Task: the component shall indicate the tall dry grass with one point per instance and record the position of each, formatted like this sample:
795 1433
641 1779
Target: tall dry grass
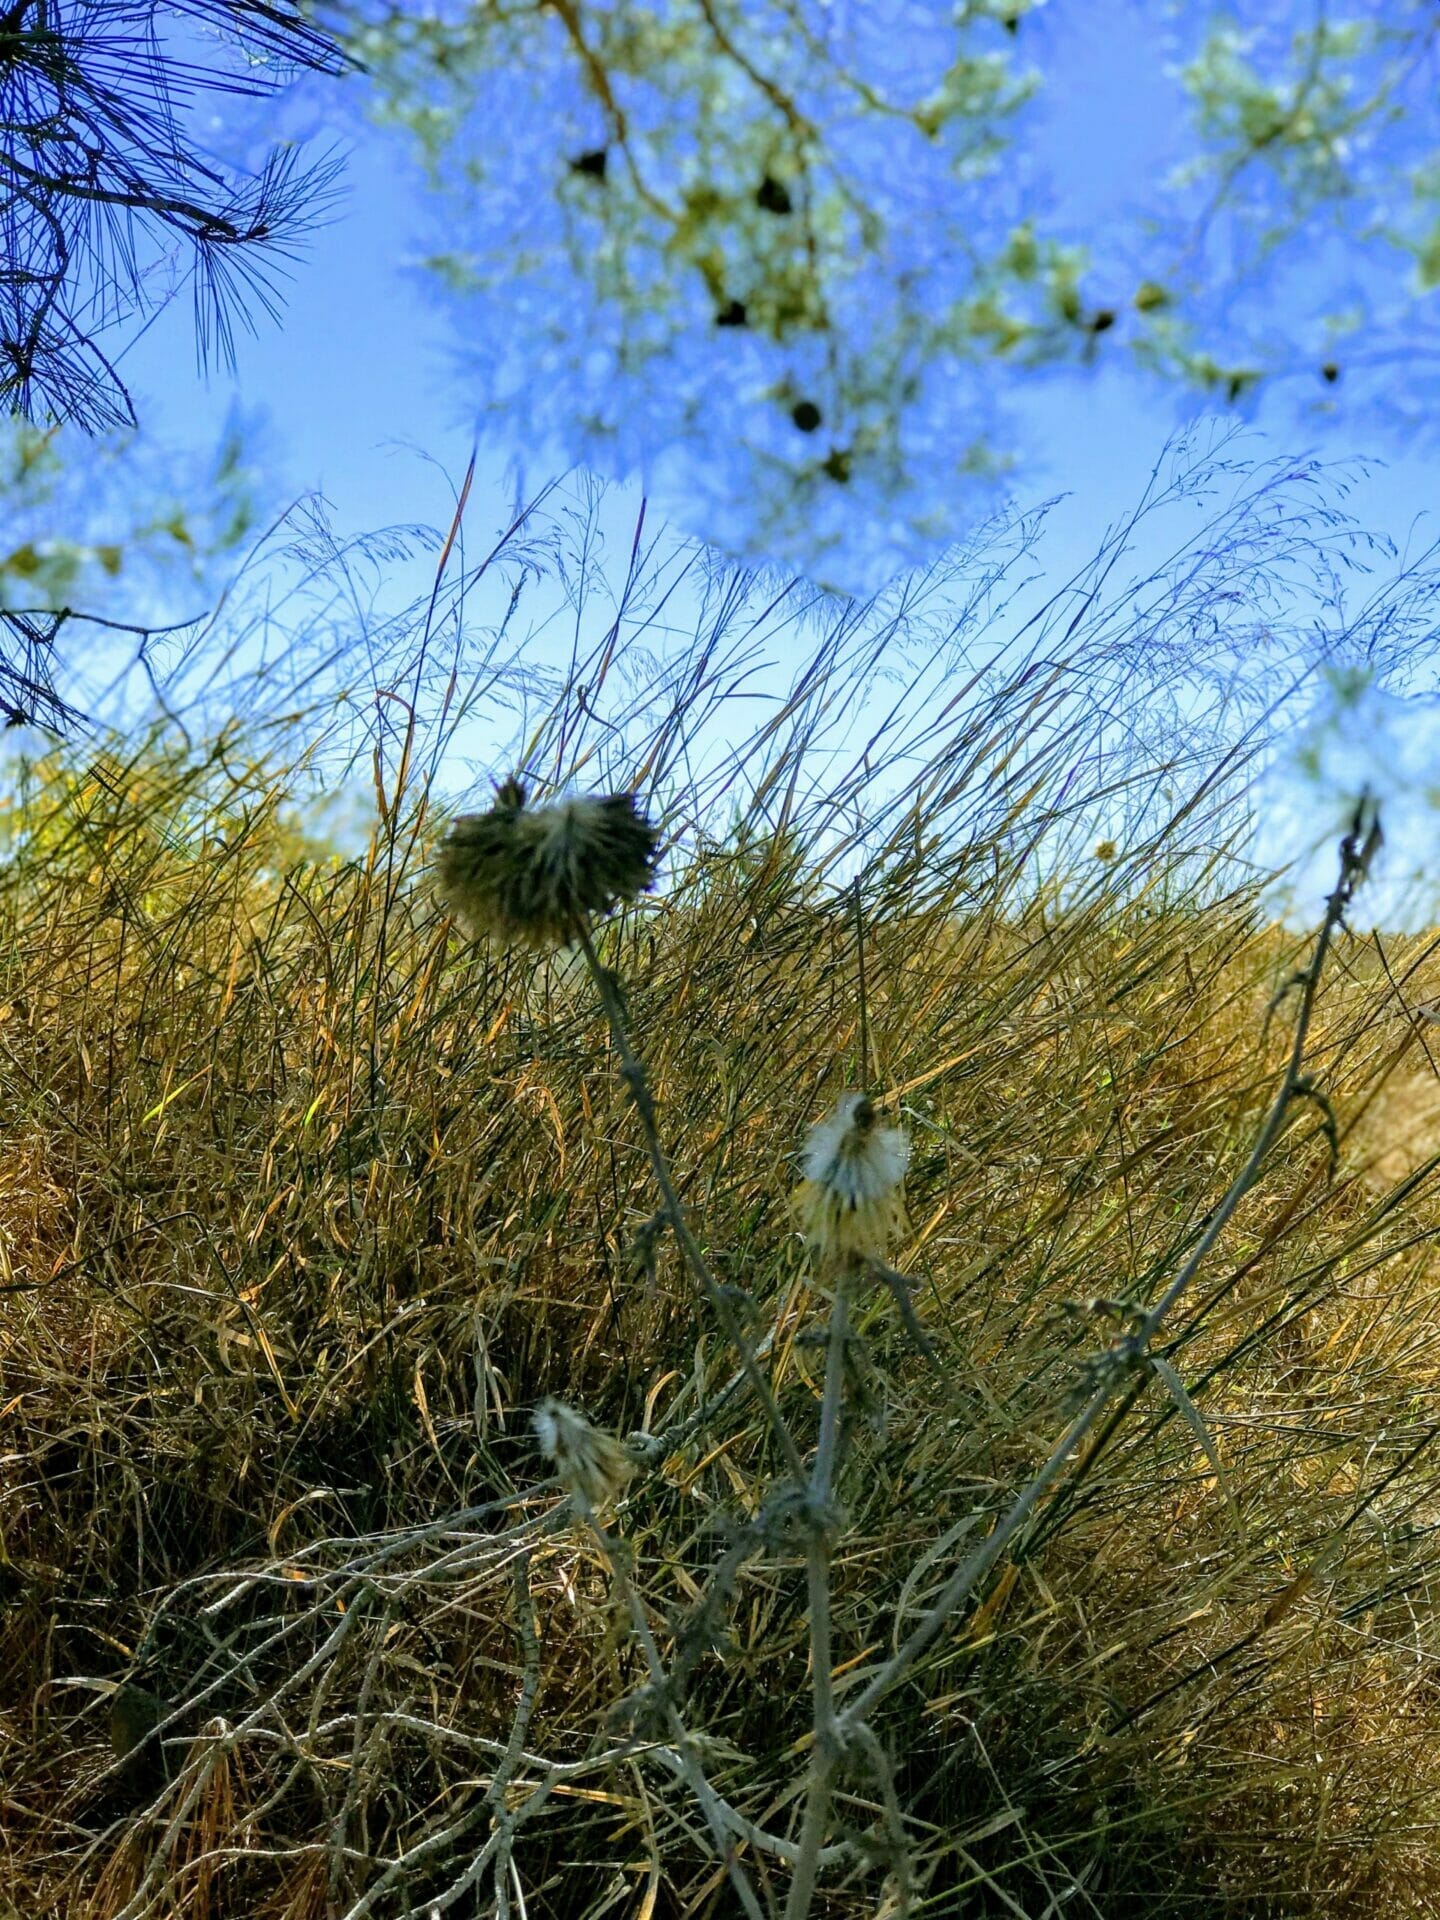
307 1201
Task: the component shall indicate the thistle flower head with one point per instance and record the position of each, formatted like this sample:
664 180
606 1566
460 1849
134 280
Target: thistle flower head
851 1202
536 876
594 1466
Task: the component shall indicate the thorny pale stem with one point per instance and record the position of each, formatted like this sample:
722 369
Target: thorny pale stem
819 1520
1355 852
633 1073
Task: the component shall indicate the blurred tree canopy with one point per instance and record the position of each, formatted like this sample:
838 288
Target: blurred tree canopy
792 262
797 265
99 536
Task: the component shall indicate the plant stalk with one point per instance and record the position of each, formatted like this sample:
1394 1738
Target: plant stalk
632 1071
967 1576
825 1752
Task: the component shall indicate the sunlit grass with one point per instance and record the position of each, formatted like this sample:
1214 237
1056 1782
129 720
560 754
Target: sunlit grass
308 1201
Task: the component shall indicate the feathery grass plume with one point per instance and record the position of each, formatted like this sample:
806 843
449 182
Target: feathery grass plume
850 1202
593 1464
536 876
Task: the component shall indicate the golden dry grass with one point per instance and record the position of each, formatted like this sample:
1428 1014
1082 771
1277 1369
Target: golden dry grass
306 1201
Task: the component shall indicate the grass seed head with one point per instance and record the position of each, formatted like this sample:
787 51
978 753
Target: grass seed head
594 1466
851 1202
537 876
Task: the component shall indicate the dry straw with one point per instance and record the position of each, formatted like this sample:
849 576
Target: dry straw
269 1158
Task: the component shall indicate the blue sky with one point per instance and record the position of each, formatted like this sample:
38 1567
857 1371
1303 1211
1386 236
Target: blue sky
359 400
352 386
354 395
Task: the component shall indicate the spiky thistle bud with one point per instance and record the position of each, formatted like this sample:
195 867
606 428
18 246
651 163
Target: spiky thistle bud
537 876
851 1203
594 1466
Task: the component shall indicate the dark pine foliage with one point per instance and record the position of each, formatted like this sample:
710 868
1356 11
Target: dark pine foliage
107 201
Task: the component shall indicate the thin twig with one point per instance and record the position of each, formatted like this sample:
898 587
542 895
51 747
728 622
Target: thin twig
694 1773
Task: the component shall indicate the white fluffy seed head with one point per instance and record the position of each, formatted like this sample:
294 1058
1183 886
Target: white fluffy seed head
850 1203
854 1157
594 1466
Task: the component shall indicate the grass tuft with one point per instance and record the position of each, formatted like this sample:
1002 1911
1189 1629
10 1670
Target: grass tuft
309 1201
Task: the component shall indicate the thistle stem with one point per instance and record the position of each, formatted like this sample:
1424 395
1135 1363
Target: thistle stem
632 1071
968 1575
825 1752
